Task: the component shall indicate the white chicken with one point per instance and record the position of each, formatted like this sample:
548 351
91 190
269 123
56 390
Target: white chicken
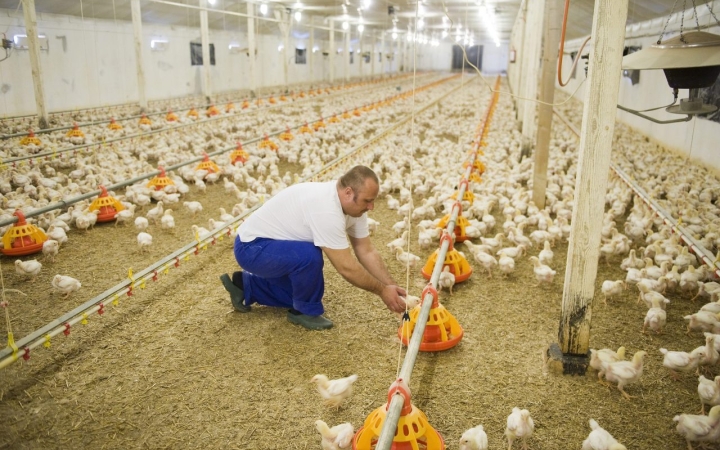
696 428
193 207
29 269
519 426
57 234
655 318
543 273
65 284
546 254
338 437
447 279
599 359
600 439
474 439
144 241
709 392
334 392
154 214
167 221
506 264
406 257
225 217
125 215
50 249
626 372
610 288
488 261
680 362
141 223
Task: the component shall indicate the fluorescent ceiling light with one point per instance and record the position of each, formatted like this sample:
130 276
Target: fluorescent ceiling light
263 8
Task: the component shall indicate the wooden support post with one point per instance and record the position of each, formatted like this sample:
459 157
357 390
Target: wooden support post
139 67
551 40
347 54
310 53
251 48
34 47
332 53
533 38
598 124
205 42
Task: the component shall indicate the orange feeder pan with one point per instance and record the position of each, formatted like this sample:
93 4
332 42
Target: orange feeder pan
319 124
283 98
75 132
334 119
212 111
477 165
193 113
114 125
346 115
272 100
161 181
413 431
468 195
457 263
208 165
267 143
287 135
30 139
442 330
306 128
171 116
229 107
109 206
460 223
145 120
245 104
239 155
22 238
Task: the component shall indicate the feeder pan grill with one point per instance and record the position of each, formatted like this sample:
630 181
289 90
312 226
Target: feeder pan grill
108 206
160 181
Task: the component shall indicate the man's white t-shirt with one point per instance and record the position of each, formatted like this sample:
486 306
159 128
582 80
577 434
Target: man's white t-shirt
306 212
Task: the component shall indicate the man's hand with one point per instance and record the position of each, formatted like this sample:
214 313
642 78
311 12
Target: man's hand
391 296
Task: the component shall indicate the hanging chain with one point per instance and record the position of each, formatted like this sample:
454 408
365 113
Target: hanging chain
682 23
697 22
712 13
667 22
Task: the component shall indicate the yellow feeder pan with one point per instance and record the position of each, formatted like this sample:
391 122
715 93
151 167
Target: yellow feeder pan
267 143
239 155
114 125
327 90
107 205
475 177
468 195
283 98
457 262
75 132
413 431
229 107
212 111
22 238
272 100
258 102
356 113
145 120
287 135
171 116
245 104
319 124
460 223
208 165
301 95
30 139
442 330
193 113
345 115
160 181
334 119
477 165
305 128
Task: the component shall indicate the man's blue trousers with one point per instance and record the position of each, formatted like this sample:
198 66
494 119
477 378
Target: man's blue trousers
286 274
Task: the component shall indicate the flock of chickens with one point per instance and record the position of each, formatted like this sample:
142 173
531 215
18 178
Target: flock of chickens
653 257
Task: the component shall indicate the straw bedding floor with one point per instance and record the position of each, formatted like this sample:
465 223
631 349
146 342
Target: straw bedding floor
174 367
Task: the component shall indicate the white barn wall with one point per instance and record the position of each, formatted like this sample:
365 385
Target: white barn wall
698 138
97 65
494 59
